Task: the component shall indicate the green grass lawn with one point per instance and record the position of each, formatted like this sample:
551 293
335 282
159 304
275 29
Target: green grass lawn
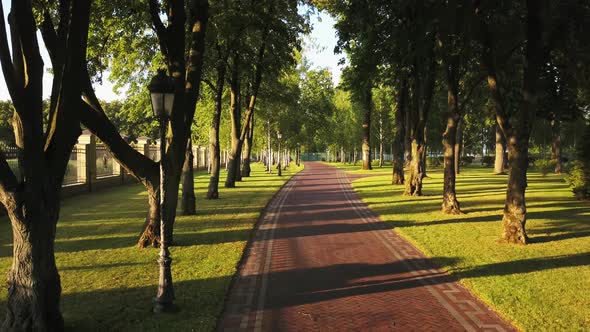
544 286
108 283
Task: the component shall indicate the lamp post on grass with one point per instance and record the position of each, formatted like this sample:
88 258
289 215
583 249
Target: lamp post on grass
161 89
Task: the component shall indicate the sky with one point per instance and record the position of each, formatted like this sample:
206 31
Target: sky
318 50
319 46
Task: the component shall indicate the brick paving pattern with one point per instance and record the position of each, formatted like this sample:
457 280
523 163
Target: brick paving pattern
321 260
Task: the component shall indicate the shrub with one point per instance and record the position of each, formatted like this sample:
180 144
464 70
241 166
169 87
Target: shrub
579 175
488 161
578 180
532 160
466 160
545 166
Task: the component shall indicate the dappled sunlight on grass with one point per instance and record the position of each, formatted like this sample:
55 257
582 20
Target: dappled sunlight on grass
541 286
108 283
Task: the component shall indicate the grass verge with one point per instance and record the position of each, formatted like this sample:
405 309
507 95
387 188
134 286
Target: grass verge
108 283
544 286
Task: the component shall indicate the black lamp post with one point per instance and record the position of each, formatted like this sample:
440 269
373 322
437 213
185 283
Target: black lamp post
279 136
162 96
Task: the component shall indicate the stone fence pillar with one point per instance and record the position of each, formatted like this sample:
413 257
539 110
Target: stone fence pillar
86 159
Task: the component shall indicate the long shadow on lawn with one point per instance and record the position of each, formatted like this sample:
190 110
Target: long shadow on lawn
525 266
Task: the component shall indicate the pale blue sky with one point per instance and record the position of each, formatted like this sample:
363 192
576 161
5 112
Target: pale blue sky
318 49
319 46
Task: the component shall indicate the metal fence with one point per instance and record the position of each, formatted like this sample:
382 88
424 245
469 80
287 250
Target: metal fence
11 155
72 176
154 152
104 161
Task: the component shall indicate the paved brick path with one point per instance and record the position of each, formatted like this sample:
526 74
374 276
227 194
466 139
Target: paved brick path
321 260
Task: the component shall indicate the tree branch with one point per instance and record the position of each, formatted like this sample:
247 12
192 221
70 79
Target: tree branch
159 28
6 61
209 84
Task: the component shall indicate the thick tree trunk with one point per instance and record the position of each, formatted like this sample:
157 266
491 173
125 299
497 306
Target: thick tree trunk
214 151
188 201
34 286
450 204
556 143
416 173
407 137
398 138
150 236
499 161
514 218
423 151
518 134
458 146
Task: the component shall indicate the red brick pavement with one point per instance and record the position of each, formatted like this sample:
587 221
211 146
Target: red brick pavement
321 260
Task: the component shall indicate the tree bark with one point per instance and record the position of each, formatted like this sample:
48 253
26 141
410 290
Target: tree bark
556 143
518 134
34 286
189 202
33 203
150 235
214 151
235 115
407 137
367 108
499 161
399 135
416 172
450 204
248 143
458 146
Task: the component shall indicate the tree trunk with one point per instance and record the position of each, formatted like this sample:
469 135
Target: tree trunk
34 286
398 138
424 151
248 148
235 115
518 134
450 204
214 151
458 146
499 161
416 173
407 137
381 153
188 201
150 236
366 147
556 143
514 218
354 157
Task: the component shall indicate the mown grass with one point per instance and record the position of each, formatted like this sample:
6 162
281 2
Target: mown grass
108 283
543 286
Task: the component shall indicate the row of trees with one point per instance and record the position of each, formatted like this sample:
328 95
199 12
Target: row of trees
480 64
217 53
